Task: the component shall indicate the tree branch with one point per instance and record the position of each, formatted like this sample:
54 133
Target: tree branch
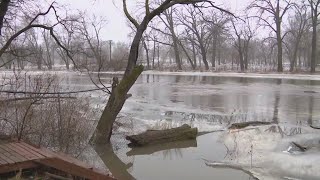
3 10
126 12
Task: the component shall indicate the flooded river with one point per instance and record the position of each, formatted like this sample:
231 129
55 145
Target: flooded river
213 104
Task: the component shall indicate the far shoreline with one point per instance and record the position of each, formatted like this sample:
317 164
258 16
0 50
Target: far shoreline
262 75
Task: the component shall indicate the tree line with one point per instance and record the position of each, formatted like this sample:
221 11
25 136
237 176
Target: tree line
268 35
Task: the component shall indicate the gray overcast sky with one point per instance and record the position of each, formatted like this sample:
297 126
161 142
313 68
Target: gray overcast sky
116 28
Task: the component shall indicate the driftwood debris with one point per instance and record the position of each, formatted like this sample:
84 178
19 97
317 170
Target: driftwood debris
232 166
299 147
183 132
311 92
314 127
246 124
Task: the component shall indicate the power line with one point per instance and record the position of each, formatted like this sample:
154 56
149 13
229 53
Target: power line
51 93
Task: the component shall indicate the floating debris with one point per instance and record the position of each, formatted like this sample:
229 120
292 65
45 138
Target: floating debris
246 124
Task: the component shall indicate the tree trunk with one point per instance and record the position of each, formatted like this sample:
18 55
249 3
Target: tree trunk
116 100
293 62
246 53
176 53
103 131
194 54
154 53
204 56
279 43
174 38
183 132
214 53
188 57
147 54
240 51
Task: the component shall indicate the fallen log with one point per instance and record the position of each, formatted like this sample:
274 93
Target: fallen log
150 149
183 132
246 124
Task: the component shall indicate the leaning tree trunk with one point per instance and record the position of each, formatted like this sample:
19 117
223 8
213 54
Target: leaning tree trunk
188 56
204 56
119 92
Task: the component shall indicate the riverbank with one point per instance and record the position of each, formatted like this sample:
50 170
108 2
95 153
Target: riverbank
315 77
271 75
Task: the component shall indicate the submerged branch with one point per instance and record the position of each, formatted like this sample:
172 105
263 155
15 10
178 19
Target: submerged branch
231 166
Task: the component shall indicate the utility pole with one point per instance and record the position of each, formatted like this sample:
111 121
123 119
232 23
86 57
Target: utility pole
158 56
110 50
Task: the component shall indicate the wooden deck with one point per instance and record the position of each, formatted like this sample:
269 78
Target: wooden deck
15 156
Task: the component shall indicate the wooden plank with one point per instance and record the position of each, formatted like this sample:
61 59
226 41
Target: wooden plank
7 156
13 152
2 161
73 169
72 160
6 159
16 167
30 150
37 150
23 152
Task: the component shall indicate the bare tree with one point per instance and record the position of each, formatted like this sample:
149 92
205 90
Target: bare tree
298 27
93 40
314 5
120 89
239 45
244 33
217 23
271 14
49 49
33 22
169 22
194 26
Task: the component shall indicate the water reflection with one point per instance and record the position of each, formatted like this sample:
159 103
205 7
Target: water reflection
118 169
